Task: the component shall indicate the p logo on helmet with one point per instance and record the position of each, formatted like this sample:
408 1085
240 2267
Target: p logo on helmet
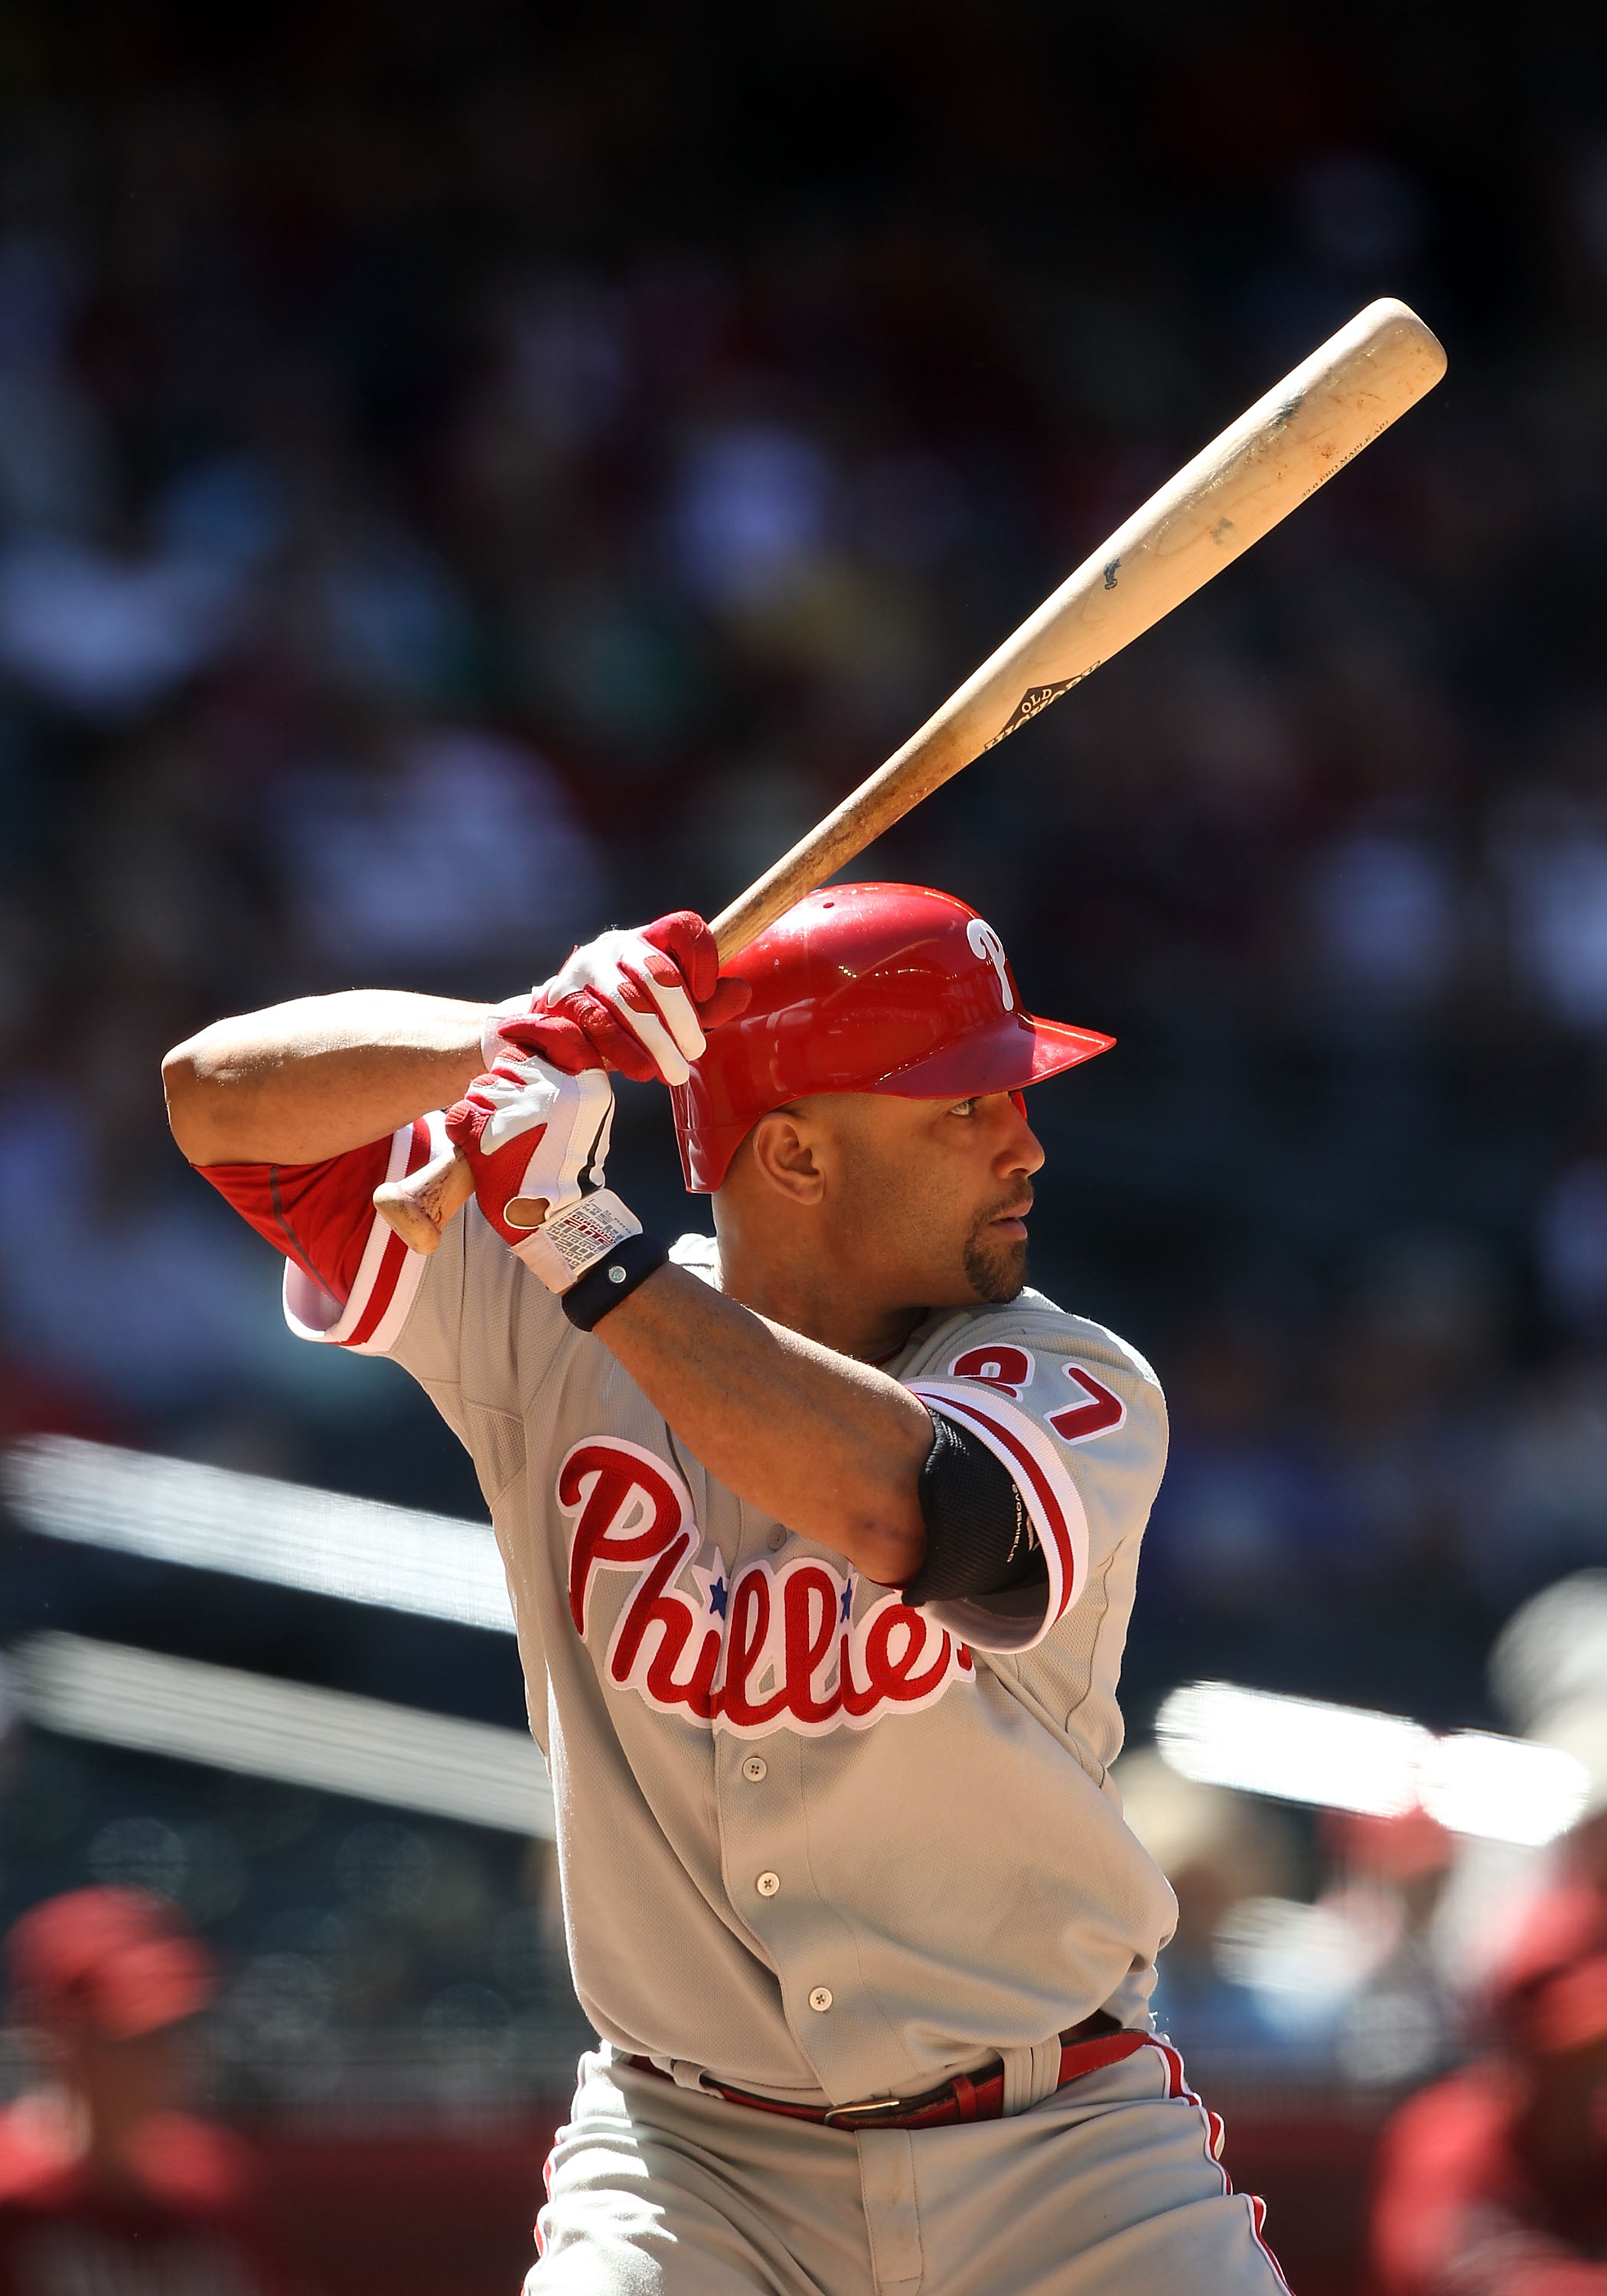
990 948
891 988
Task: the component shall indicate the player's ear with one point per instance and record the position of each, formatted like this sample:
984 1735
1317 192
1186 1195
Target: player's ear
783 1150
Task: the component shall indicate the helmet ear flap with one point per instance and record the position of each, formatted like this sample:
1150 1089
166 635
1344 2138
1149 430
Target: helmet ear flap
1018 1101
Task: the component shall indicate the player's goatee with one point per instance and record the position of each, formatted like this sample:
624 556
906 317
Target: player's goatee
996 1273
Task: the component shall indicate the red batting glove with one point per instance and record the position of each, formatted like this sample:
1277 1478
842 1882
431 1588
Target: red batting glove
535 1138
640 1002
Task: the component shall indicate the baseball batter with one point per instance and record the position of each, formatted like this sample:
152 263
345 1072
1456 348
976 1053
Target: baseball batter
821 1537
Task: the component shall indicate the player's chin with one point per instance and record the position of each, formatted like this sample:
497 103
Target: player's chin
995 1266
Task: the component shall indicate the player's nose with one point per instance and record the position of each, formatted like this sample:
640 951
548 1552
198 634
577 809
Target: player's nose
1021 1151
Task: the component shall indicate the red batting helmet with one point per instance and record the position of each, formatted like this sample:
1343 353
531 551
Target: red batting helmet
866 988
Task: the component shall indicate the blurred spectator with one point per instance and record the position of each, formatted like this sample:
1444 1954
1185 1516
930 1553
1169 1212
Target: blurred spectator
1581 1730
1550 1659
1496 2180
1355 1983
1570 1245
448 854
127 1291
1549 1473
1548 1672
388 618
1247 1521
751 511
106 2183
1408 1370
106 637
1385 906
1402 2022
1219 1850
1551 854
55 455
1303 1964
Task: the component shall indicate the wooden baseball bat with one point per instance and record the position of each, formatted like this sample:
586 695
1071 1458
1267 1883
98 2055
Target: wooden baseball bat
1235 490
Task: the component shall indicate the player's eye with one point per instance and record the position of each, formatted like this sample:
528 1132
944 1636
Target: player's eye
964 1108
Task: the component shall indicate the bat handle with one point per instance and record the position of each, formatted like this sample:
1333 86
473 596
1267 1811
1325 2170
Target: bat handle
419 1207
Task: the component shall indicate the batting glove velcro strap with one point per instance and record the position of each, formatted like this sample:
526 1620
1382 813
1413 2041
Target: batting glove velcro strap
567 1244
611 1279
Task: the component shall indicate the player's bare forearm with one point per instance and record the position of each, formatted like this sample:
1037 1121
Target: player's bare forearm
299 1082
832 1447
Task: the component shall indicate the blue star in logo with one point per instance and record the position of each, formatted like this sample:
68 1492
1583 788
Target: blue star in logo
716 1598
848 1601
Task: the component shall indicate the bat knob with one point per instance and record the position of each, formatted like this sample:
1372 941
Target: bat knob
419 1207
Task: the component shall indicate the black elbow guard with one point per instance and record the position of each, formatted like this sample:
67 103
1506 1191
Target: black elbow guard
980 1539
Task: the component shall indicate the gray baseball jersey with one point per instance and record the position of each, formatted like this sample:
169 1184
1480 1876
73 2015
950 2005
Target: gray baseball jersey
812 1840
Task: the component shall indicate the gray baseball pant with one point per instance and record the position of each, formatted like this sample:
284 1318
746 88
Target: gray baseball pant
1109 2187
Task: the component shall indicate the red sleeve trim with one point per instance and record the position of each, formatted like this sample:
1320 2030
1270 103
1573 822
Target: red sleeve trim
348 1279
1051 1498
370 1319
318 1216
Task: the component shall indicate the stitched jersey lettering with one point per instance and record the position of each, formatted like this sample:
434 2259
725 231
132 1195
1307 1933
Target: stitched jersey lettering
1010 1369
1096 1415
1007 1368
626 1507
811 1610
776 1649
655 1664
750 1657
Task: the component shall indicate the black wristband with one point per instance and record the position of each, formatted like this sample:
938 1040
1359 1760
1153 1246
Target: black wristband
612 1279
980 1539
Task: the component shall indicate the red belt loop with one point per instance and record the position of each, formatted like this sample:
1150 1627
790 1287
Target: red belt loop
965 2096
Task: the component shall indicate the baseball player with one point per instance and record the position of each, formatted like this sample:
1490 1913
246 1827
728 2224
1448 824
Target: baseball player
109 2185
820 1535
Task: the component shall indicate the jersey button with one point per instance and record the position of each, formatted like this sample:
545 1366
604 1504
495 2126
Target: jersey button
778 1539
754 1769
820 1999
767 1884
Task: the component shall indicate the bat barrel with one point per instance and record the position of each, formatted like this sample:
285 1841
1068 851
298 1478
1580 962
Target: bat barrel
1274 457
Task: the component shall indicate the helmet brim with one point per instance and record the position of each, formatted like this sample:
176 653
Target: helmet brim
1014 1050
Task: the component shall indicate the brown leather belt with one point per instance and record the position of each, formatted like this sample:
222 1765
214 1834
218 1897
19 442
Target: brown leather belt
1085 2048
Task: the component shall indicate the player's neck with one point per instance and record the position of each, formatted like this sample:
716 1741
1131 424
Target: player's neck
811 1296
869 1337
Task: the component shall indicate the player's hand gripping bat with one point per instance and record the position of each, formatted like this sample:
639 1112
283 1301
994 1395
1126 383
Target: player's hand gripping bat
1234 492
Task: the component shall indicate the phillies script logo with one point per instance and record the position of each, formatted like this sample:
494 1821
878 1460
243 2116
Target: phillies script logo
770 1650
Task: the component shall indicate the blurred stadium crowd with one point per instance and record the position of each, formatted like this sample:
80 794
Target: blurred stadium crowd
465 480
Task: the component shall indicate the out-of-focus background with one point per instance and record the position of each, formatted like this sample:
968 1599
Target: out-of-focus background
471 474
